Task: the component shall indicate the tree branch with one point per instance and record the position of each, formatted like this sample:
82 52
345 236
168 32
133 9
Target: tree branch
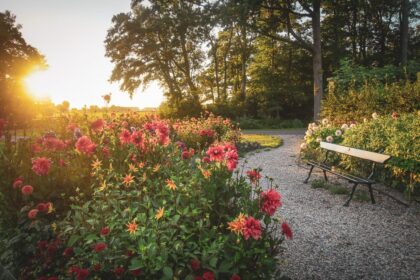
306 8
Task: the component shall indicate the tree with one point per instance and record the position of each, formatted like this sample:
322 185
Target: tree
293 17
405 7
17 59
162 41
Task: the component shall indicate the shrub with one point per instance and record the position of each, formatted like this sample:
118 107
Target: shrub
352 76
394 135
200 132
140 203
354 104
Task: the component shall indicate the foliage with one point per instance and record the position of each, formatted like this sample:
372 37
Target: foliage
352 76
354 104
200 132
17 59
254 58
394 135
137 197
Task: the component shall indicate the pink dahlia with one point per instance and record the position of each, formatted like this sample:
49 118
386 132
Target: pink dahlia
32 214
18 182
216 153
270 201
252 228
253 175
125 136
85 146
41 166
27 190
287 231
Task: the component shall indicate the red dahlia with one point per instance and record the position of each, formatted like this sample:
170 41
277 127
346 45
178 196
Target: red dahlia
270 201
41 166
105 231
27 190
252 228
287 231
99 247
195 265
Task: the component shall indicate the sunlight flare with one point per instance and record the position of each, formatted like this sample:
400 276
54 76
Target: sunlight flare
36 84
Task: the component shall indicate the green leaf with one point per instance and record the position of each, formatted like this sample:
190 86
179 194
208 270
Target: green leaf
225 266
213 262
167 271
72 240
135 264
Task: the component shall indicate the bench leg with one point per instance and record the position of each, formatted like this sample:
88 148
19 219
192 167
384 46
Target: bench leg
325 175
309 175
371 193
351 195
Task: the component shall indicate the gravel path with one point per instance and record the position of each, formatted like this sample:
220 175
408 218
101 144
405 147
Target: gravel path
363 241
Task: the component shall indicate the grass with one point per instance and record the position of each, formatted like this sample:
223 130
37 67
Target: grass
266 141
339 189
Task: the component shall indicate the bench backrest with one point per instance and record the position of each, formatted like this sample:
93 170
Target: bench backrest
375 157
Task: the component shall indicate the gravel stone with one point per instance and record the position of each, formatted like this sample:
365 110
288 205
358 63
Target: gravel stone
362 241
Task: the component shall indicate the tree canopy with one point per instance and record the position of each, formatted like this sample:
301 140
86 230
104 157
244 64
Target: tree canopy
258 58
18 58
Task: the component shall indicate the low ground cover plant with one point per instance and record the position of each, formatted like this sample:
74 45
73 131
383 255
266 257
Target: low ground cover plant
135 197
394 134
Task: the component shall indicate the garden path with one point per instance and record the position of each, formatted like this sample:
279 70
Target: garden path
363 241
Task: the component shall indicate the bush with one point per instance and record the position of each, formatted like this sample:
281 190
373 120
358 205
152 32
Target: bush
352 76
200 132
394 135
137 201
354 104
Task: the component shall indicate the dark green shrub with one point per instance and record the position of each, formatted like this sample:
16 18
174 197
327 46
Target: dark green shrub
352 76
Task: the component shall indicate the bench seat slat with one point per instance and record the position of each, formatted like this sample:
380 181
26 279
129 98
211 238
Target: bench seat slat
375 157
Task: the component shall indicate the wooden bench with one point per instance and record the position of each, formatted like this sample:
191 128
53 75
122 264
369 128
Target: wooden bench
375 158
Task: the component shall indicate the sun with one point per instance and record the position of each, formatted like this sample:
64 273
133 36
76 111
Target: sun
37 84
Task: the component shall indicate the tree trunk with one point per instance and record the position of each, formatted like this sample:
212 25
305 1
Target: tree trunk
404 31
243 63
216 70
317 57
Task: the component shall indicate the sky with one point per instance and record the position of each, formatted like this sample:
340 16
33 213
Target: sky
71 34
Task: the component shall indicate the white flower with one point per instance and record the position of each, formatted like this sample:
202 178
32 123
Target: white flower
365 120
309 132
344 127
315 128
303 146
305 137
330 139
352 125
375 116
325 121
338 133
319 139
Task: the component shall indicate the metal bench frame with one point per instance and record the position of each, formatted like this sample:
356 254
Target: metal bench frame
375 158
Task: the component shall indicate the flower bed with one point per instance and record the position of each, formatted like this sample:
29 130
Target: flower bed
395 135
132 197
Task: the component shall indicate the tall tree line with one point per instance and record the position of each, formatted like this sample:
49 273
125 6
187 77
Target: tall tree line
257 58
